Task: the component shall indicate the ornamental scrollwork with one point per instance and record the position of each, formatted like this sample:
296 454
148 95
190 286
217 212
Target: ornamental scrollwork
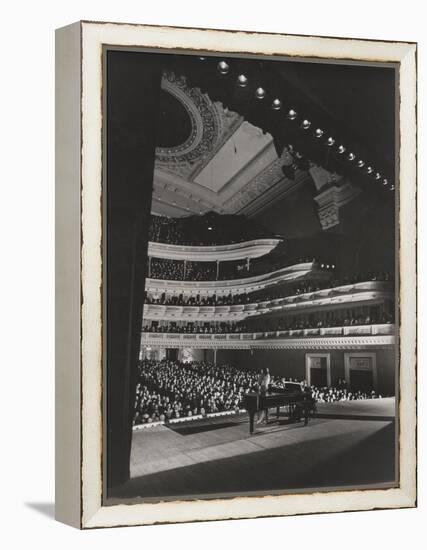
210 127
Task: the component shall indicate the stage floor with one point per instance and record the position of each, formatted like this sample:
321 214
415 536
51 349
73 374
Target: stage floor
346 445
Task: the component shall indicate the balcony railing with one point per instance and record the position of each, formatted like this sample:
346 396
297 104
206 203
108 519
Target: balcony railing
225 252
245 284
355 295
348 331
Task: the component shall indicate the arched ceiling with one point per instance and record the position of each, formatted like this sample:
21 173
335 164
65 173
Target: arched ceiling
221 149
209 158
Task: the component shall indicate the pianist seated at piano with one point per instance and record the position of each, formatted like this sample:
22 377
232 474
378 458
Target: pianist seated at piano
295 397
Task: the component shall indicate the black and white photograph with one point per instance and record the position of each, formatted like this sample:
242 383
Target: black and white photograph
251 265
213 275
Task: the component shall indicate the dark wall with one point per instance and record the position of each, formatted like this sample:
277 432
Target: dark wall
364 240
386 366
294 216
132 92
367 234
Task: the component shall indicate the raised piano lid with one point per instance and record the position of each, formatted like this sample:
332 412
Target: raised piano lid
289 387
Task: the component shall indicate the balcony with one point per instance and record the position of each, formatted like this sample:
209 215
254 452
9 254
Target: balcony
354 295
247 284
226 252
350 337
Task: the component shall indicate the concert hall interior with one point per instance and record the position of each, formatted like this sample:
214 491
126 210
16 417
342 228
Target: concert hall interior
250 225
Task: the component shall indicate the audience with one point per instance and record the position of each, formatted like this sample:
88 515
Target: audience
208 230
275 292
166 269
339 318
226 327
178 270
169 389
198 300
332 394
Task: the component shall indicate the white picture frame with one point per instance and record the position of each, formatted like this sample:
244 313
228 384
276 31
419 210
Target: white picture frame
79 229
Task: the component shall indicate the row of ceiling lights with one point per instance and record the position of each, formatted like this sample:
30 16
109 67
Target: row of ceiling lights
260 93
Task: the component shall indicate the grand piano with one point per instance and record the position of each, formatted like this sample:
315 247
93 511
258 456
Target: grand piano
298 403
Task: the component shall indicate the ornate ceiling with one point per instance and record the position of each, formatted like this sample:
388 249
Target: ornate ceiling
225 165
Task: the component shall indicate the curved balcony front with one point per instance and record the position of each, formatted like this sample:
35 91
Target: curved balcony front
212 253
350 337
247 284
355 295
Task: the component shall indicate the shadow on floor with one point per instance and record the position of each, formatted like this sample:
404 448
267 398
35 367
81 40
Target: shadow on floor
335 461
354 417
45 508
200 427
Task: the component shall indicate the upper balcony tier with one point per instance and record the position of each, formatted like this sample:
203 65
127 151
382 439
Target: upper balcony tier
246 284
210 229
225 252
345 296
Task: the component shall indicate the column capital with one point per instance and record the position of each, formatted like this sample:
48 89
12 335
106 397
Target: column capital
331 200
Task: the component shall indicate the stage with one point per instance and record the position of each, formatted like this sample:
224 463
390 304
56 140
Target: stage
350 444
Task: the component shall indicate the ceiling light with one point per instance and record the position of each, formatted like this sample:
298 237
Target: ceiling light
276 105
306 124
292 115
341 149
351 156
260 93
223 67
242 80
319 133
330 141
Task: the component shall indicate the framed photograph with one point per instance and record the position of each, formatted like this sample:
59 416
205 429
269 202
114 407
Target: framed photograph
236 274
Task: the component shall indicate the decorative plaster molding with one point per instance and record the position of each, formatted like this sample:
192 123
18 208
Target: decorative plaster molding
211 125
331 200
211 341
259 184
